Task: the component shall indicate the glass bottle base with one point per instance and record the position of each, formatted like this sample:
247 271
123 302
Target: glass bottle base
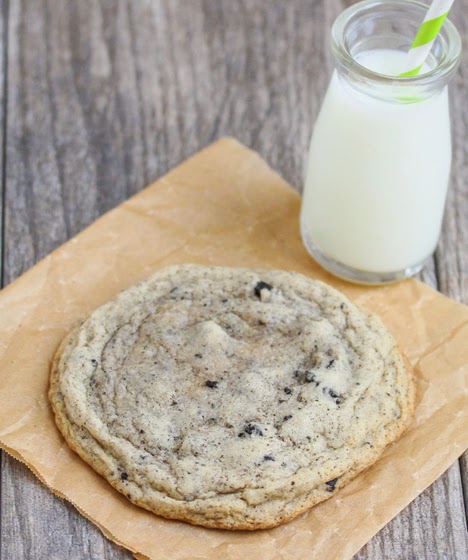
355 275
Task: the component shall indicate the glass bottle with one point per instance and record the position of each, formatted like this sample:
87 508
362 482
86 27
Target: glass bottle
380 153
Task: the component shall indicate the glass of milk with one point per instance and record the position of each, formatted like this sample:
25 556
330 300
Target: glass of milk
380 153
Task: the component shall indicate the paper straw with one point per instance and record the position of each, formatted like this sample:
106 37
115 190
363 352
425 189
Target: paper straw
426 35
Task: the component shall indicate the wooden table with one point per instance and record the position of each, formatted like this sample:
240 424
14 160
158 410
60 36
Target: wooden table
99 98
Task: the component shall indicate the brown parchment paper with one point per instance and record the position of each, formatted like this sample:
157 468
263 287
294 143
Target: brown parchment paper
224 206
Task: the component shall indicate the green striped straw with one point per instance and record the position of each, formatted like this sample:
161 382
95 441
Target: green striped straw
426 35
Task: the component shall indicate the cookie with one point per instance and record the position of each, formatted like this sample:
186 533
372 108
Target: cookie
230 398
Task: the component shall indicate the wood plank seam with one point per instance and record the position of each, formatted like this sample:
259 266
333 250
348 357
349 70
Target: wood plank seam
4 10
464 489
53 111
4 62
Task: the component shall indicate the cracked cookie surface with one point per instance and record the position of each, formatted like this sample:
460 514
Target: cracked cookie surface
230 398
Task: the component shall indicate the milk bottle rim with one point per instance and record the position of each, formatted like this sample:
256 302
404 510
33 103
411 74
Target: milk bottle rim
392 24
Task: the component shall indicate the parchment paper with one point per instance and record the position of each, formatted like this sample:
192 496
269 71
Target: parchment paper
224 206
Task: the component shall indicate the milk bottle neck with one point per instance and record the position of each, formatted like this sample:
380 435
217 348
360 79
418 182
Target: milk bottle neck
391 25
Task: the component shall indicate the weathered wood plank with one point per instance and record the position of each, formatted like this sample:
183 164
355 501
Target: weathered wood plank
51 193
452 254
104 97
61 533
3 22
425 529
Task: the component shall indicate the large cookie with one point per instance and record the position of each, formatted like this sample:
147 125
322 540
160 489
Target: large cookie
230 398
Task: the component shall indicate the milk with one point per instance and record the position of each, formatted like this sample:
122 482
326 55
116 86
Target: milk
377 175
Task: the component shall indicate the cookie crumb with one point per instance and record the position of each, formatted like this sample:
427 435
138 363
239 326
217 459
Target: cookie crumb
337 398
212 384
262 286
252 430
331 484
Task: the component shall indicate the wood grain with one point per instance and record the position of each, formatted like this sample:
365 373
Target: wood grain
51 194
3 21
104 96
3 24
425 529
452 253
